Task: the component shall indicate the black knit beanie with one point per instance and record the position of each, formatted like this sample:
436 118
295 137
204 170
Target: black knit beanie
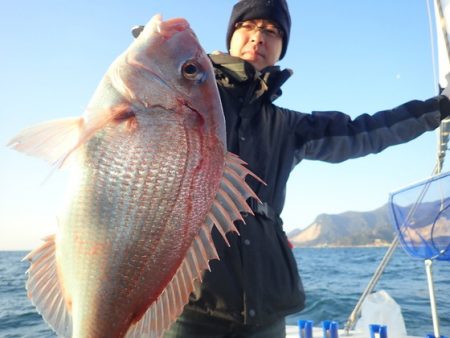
273 10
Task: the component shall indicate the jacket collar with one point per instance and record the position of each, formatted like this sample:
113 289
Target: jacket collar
235 70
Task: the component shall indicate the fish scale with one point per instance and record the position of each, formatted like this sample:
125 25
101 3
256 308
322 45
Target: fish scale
119 192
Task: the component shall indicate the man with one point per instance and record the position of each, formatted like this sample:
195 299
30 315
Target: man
256 283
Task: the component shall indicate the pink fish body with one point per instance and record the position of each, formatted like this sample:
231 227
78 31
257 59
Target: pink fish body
150 177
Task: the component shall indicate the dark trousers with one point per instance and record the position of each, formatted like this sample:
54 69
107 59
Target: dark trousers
203 326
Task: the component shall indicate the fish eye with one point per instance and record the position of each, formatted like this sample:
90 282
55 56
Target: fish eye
192 71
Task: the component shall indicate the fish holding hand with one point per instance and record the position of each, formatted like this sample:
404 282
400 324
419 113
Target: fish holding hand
150 177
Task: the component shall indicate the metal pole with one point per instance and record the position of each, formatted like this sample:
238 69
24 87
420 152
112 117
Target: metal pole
443 26
444 127
372 283
434 314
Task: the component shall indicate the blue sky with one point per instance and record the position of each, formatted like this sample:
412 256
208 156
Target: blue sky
350 55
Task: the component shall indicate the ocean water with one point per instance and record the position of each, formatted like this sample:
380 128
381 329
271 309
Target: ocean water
334 279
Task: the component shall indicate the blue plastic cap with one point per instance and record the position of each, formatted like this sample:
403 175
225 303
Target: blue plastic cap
334 327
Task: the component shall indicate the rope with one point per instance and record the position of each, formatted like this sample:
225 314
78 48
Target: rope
433 51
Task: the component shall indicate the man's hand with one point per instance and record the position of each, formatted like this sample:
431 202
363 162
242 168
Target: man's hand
446 90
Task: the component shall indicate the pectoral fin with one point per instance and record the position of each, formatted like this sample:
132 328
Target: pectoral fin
52 141
55 141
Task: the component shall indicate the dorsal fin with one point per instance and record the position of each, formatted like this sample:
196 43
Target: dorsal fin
226 208
44 289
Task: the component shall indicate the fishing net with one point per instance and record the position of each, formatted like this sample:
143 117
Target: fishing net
421 215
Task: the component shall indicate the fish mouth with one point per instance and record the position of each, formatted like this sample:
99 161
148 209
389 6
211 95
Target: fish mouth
169 27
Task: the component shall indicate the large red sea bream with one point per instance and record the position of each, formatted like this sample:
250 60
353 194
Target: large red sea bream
150 177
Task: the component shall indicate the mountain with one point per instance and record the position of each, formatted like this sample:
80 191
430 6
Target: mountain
346 229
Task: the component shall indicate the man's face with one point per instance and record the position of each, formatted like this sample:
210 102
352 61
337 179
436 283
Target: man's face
258 42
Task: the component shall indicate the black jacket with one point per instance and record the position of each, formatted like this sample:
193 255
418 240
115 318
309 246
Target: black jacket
256 281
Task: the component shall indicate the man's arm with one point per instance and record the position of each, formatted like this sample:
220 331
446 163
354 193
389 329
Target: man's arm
335 137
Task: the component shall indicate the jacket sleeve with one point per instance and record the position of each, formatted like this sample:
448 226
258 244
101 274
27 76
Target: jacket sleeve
334 137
